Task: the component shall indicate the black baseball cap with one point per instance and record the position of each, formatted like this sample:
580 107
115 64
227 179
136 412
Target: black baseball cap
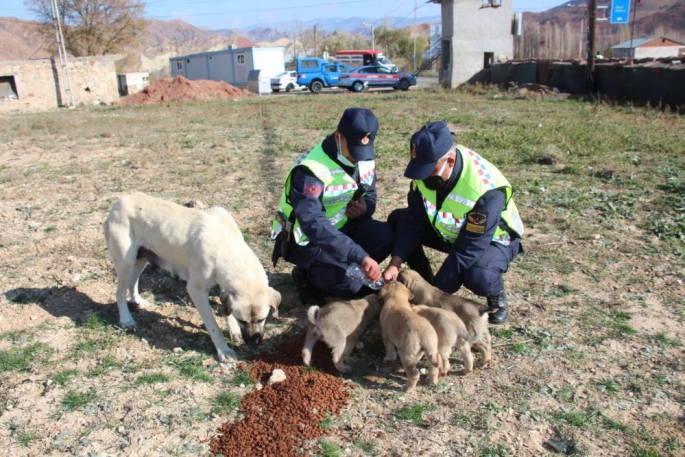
359 127
427 146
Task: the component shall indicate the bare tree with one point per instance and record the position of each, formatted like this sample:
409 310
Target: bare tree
93 27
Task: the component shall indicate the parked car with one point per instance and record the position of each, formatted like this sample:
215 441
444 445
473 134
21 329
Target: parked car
376 76
317 73
285 80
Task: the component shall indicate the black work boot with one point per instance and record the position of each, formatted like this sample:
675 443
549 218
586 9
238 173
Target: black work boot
500 302
308 293
418 262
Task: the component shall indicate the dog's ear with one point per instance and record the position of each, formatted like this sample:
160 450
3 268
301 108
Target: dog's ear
225 298
275 301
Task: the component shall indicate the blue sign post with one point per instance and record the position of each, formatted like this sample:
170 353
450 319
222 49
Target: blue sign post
620 11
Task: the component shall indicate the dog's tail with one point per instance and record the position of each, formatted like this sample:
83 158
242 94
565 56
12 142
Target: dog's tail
313 314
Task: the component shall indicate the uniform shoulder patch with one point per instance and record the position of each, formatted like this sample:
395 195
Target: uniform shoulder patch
476 221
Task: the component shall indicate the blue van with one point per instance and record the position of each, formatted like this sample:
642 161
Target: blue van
317 73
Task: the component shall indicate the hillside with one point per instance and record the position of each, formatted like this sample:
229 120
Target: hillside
19 40
557 33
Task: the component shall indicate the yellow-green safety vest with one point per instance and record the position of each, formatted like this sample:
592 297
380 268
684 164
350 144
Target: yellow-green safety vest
339 188
478 176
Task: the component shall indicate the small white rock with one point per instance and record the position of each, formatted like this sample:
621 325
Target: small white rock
277 375
177 350
423 371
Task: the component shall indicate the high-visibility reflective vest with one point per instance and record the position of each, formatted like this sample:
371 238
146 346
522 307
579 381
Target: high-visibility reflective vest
478 176
338 190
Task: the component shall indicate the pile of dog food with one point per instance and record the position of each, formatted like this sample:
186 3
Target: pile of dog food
281 417
181 88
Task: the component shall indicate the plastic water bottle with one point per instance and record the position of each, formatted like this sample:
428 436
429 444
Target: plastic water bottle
355 272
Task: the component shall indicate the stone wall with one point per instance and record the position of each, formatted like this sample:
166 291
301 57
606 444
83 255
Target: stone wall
39 83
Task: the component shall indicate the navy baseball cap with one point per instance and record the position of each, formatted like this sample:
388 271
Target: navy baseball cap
359 127
427 146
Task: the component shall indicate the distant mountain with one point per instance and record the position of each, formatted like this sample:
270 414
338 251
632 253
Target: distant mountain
350 24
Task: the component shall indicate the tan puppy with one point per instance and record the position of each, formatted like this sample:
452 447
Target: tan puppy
451 333
474 317
408 334
340 325
203 248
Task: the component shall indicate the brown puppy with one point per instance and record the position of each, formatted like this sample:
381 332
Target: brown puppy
408 334
340 325
474 317
451 332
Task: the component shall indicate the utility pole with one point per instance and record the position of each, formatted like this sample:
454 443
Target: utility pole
62 57
316 47
632 32
592 25
414 66
373 38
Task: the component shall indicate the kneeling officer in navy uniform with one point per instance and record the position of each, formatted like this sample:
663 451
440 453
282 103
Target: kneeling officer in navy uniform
323 223
460 204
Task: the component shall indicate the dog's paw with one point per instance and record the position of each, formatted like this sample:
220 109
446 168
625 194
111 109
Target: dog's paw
228 355
141 303
390 357
343 368
128 325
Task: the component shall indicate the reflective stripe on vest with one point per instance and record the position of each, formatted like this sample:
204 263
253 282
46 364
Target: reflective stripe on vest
478 176
339 188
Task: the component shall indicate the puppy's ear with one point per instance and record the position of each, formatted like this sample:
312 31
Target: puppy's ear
275 301
225 298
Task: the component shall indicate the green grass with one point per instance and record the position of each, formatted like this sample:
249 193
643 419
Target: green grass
26 438
607 385
63 376
329 449
242 378
225 403
21 359
414 413
104 365
367 447
153 378
74 399
328 422
191 368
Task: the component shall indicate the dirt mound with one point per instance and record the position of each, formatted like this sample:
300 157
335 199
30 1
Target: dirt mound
181 88
279 418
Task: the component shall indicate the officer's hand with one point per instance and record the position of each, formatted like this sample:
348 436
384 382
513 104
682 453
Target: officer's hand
371 268
391 273
356 209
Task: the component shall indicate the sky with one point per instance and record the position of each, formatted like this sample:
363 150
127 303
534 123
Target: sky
226 14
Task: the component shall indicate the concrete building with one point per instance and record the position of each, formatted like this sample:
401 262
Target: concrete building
232 65
475 33
130 83
641 48
39 84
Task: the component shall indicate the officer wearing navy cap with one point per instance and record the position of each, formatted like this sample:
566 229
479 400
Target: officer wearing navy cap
460 204
324 219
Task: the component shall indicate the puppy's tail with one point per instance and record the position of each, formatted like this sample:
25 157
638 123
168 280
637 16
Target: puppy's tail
488 310
313 314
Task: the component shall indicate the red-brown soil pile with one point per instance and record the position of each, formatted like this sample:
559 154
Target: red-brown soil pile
280 417
181 88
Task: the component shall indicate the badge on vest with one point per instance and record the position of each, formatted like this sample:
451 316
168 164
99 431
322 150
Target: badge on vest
475 222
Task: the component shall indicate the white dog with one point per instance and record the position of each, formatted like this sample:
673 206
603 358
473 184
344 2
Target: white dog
202 248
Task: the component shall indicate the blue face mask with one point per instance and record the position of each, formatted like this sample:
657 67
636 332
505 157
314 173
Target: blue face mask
341 158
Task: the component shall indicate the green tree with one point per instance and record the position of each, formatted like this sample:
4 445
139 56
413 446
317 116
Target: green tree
93 27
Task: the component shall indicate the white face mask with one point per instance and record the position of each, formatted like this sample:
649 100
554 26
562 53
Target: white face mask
341 158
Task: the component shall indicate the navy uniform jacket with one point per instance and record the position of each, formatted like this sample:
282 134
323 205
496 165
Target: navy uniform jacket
468 247
306 192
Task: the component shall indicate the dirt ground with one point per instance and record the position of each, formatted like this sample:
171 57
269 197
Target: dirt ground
591 362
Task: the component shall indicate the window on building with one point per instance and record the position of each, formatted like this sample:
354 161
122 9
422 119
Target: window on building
491 3
8 88
179 65
240 58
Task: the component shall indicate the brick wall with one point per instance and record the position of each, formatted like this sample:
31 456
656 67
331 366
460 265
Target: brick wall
39 83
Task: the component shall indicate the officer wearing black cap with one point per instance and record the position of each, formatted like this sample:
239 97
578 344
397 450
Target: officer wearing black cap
460 204
324 223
